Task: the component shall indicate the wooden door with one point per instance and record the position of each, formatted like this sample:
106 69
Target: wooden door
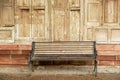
75 20
93 17
48 20
23 20
102 20
60 20
66 20
32 20
39 27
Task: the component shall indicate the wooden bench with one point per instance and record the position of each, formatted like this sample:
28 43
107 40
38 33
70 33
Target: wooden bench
63 51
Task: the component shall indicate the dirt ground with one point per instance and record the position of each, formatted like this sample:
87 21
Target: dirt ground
34 76
55 74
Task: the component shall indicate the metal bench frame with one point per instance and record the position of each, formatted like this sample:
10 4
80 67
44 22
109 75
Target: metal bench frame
58 57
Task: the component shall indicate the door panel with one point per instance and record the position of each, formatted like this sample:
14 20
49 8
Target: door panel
24 23
38 23
59 24
61 20
6 13
74 25
93 12
39 20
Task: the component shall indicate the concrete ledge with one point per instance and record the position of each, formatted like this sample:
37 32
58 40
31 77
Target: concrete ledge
63 70
15 47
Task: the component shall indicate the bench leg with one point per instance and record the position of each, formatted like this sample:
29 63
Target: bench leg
95 67
31 66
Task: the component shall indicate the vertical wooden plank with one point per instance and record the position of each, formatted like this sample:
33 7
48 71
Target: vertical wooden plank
59 21
118 12
74 20
23 20
38 24
40 20
61 29
47 19
0 13
82 19
74 25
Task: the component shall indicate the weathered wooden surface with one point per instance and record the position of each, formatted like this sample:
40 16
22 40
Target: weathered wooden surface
64 48
62 20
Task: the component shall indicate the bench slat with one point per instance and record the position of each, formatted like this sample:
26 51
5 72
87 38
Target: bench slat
64 48
63 52
66 43
69 55
62 58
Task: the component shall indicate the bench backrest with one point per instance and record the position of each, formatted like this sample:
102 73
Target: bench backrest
67 47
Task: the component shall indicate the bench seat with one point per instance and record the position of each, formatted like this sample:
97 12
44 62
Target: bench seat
63 57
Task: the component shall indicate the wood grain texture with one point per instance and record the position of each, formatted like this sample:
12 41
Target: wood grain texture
62 20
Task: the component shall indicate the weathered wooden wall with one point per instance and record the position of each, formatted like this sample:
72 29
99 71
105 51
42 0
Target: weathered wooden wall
23 21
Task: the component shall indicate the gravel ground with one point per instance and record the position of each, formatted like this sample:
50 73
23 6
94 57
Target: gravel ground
59 73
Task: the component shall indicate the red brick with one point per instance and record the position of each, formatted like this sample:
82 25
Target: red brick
118 57
15 52
4 52
25 47
8 47
25 51
20 62
108 47
106 63
5 59
19 56
15 47
19 59
102 52
107 58
117 63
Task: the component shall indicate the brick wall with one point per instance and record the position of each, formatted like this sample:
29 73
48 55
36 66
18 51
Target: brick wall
108 55
14 54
